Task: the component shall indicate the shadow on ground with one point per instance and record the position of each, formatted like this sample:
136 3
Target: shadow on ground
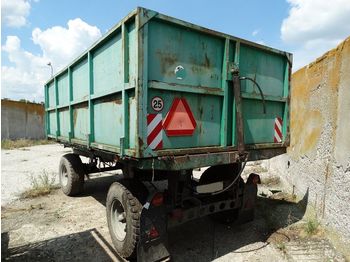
198 240
97 187
83 246
206 240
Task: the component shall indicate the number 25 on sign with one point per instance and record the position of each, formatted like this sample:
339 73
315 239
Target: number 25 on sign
157 103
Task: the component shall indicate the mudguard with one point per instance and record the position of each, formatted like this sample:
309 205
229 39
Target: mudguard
153 249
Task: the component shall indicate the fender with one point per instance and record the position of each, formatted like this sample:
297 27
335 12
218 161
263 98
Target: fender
153 242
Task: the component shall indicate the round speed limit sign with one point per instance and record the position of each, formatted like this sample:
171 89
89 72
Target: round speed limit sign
157 103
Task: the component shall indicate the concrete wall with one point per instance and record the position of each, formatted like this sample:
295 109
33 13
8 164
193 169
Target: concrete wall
318 158
22 120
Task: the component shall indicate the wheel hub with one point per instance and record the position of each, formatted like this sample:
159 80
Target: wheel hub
118 219
64 176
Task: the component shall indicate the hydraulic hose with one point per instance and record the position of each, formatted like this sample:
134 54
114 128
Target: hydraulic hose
227 187
234 181
260 90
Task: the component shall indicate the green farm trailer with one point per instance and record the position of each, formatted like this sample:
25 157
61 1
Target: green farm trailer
158 97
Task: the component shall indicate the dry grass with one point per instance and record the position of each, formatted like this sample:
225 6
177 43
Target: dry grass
311 226
12 144
41 185
282 247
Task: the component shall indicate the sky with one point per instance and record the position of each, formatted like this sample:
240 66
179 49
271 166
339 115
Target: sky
37 32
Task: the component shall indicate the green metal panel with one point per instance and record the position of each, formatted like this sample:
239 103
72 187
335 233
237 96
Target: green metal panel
199 54
53 123
63 90
108 119
108 65
80 80
132 54
64 122
268 70
80 121
51 95
259 127
265 67
103 98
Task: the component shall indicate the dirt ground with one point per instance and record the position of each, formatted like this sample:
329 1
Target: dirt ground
61 228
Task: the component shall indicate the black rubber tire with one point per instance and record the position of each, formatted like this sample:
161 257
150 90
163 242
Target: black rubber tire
72 164
132 207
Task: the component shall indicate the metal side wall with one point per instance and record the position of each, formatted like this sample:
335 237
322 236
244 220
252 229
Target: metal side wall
92 102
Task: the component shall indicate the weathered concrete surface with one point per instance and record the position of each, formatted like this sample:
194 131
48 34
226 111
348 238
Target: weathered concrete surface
21 120
19 166
318 158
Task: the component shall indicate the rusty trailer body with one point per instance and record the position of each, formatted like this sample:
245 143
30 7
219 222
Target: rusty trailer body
159 97
102 99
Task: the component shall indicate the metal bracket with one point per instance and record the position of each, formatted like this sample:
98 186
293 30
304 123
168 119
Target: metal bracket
145 15
231 66
239 114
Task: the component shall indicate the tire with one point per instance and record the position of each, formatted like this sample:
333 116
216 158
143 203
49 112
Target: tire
71 174
123 215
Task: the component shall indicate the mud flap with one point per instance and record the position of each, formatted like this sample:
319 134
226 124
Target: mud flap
154 248
250 192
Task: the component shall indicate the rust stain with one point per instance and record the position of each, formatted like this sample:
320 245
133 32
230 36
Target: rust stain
140 142
167 60
118 101
200 112
81 105
200 130
207 61
75 111
75 115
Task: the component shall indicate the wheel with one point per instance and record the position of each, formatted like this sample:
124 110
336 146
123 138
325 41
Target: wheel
71 174
123 215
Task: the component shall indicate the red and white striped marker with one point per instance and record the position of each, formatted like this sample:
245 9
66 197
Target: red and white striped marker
154 131
278 130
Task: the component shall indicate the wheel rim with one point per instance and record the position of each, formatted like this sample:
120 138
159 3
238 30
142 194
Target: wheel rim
64 176
118 219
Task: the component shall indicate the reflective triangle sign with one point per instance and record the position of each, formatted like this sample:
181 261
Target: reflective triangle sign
179 121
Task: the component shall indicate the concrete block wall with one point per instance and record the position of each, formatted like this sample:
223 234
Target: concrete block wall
318 158
22 120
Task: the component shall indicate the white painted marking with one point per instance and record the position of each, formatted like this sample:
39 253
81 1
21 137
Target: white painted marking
154 123
156 140
277 122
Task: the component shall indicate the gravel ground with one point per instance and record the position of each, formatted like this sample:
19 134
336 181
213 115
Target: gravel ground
61 228
19 165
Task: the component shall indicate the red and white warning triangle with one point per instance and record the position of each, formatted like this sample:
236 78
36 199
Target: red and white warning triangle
179 121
